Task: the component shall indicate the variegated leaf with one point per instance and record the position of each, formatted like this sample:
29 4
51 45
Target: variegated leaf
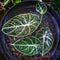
40 43
21 25
41 8
28 46
46 38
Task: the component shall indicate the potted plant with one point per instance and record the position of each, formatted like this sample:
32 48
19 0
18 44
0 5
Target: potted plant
28 31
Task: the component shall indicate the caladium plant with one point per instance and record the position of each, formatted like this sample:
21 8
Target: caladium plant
26 24
40 43
21 25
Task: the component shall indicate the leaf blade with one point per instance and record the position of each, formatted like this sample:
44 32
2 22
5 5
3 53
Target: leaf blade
46 37
23 23
30 48
41 8
41 43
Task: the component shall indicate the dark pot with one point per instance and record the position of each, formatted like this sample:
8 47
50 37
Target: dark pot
26 7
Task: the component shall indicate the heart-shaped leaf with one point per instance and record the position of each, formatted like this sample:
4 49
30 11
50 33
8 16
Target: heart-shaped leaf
40 43
41 8
28 46
21 25
46 38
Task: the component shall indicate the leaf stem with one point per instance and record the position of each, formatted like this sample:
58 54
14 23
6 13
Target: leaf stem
40 17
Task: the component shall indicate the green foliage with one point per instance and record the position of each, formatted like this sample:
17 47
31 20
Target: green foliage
21 25
32 45
46 39
41 8
6 2
27 46
16 1
56 5
26 24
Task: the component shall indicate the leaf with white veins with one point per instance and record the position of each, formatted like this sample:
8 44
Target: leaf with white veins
32 45
41 8
46 37
28 45
21 25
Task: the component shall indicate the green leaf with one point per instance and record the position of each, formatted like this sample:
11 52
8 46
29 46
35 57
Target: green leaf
21 25
41 8
32 45
5 2
28 45
56 5
16 1
46 38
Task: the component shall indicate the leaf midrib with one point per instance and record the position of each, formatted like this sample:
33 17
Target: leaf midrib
34 45
19 26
